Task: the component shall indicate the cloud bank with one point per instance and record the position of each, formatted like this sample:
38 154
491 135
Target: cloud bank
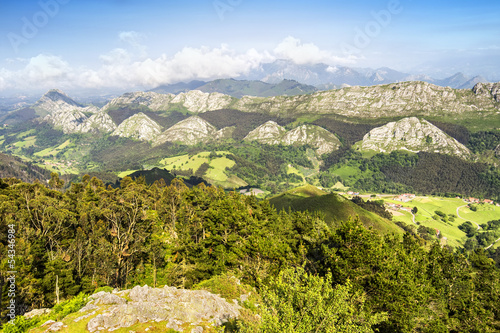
130 67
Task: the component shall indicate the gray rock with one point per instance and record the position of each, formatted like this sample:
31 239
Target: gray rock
412 134
197 329
57 326
175 325
106 298
36 312
168 304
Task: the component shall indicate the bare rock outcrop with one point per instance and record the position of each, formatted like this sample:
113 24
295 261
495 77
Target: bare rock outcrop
412 134
177 308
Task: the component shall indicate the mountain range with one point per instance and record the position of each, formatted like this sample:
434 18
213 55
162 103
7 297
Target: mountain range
271 142
146 112
325 76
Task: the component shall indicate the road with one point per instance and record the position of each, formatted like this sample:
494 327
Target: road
486 248
458 208
413 215
478 227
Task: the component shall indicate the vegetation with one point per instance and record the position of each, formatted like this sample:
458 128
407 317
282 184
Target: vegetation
309 275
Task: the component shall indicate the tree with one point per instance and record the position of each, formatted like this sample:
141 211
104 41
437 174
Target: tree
414 210
296 301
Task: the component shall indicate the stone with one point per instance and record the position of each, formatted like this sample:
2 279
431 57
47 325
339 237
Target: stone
36 312
412 134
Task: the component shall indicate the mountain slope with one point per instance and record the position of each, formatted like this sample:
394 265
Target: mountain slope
139 127
312 135
269 133
189 131
400 99
413 135
315 136
57 101
334 208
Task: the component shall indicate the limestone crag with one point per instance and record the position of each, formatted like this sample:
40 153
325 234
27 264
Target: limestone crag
98 122
177 308
315 136
152 100
57 101
269 133
414 135
403 99
70 121
486 89
140 127
189 131
198 101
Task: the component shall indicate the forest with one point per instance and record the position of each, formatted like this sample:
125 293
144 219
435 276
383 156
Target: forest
91 236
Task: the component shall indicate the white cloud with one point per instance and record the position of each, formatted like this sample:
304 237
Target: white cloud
42 70
47 68
307 53
126 68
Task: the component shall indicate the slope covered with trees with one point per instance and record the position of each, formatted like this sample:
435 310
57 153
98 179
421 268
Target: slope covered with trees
92 236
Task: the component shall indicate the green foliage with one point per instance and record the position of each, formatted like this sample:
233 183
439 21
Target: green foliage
296 301
92 236
481 141
61 310
74 304
21 324
107 289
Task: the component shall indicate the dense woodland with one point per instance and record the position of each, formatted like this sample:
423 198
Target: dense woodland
91 236
425 173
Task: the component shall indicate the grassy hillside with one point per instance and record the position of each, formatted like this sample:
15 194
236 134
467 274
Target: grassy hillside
426 215
333 207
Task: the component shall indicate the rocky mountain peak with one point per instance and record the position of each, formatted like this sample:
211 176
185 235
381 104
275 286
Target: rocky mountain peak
488 89
199 101
189 131
139 126
269 133
57 101
414 135
315 136
152 100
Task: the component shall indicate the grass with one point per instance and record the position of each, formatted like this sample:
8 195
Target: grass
126 173
291 169
216 174
428 205
27 142
218 167
334 208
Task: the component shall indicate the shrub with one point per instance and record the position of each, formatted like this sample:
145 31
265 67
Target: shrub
296 301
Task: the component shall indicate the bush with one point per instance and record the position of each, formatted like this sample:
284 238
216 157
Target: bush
296 301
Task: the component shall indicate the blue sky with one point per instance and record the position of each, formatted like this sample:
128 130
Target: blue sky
132 44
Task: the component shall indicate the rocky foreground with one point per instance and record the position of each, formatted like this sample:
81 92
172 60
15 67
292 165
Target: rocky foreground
150 309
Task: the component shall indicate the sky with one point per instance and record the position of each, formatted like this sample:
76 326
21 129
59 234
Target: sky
106 45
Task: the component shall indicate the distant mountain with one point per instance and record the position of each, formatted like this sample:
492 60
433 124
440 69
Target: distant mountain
57 101
325 77
239 88
472 82
177 88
